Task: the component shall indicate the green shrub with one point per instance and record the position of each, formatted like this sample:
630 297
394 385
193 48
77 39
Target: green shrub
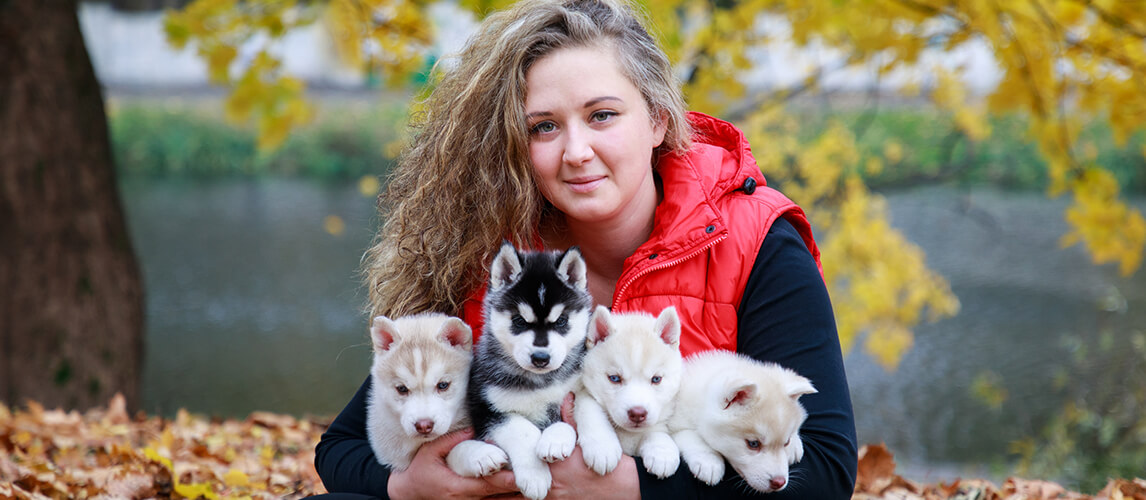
934 151
349 139
163 140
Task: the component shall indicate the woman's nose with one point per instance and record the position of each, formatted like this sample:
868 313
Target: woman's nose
578 149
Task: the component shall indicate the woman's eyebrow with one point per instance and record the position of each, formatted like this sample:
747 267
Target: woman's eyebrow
597 100
588 104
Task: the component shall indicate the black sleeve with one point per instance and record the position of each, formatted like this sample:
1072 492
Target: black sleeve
343 457
786 317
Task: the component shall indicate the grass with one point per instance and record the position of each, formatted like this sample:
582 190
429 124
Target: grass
346 140
352 138
934 151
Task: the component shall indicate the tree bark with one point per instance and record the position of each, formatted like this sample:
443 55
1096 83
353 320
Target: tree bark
71 298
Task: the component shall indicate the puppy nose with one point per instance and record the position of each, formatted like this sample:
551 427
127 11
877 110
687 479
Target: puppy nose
424 426
638 414
539 359
777 482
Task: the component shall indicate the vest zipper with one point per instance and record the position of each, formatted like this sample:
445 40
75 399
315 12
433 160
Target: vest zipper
663 265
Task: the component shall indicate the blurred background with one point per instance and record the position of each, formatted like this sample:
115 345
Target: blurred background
1023 354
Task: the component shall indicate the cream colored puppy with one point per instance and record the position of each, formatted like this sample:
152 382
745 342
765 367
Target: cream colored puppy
743 410
629 377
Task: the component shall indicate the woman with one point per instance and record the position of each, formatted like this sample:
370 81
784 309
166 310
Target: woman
562 125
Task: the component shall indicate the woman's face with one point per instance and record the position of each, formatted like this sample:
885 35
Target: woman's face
590 136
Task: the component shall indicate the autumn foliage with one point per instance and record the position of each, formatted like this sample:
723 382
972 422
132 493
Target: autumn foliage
110 454
1062 64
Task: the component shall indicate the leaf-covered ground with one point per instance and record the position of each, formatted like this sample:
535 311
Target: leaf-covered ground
107 453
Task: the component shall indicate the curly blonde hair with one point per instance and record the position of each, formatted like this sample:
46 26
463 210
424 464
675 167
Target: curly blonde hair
465 182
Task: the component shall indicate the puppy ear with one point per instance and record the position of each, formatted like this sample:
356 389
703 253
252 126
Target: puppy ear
382 333
506 266
457 333
572 269
796 386
667 327
600 326
740 395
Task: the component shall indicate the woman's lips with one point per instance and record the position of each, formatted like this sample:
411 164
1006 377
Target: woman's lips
584 184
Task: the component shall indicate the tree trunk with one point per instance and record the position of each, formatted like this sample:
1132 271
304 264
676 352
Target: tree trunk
71 299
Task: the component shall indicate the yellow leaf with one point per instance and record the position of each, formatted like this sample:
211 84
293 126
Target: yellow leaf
273 130
236 478
219 60
152 454
893 151
987 387
334 225
176 29
1111 230
369 185
888 345
266 453
196 490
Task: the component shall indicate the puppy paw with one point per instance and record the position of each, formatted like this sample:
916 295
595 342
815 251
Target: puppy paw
602 452
661 456
473 458
533 482
557 442
707 467
795 450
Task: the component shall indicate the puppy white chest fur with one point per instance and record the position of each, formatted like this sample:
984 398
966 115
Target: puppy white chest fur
532 404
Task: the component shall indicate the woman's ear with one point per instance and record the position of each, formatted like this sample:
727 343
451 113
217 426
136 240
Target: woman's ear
660 126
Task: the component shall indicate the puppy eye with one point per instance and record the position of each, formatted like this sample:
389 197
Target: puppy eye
616 379
443 385
561 322
753 444
403 390
656 380
519 323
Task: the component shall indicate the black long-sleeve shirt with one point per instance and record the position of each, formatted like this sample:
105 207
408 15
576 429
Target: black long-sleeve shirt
785 316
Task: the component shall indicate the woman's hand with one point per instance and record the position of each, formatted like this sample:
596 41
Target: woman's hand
429 477
573 479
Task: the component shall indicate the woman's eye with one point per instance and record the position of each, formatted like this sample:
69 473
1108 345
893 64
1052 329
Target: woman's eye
443 385
601 116
543 128
753 444
616 379
403 390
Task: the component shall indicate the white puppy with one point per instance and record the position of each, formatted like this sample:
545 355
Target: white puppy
630 376
418 383
746 411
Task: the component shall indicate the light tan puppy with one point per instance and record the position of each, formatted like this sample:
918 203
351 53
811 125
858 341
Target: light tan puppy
743 410
418 383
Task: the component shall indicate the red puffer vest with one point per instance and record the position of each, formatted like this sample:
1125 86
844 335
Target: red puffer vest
707 231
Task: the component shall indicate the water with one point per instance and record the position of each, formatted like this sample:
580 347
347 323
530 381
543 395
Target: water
1021 295
253 305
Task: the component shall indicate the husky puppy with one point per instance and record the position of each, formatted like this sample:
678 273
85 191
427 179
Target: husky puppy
743 410
631 375
528 358
418 383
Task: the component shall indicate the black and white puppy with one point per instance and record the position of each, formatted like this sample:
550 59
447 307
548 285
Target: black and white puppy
537 309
